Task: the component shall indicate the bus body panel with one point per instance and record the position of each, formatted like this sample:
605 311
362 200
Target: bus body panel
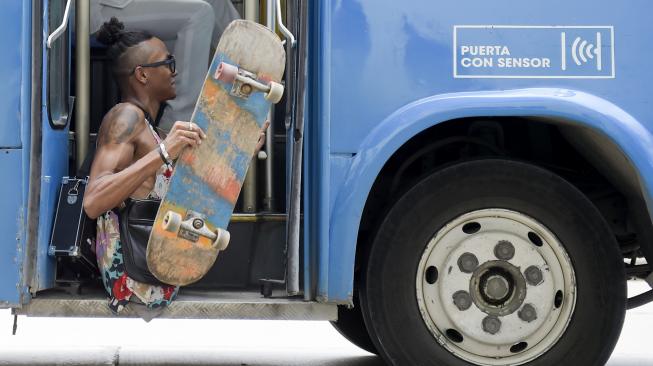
11 230
10 63
14 155
379 73
54 163
393 69
585 110
384 55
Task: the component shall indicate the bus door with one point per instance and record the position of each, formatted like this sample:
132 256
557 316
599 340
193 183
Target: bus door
57 20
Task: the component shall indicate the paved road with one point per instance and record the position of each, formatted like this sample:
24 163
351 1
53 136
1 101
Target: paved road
225 342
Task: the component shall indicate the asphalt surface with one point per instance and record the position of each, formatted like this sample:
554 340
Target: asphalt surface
47 341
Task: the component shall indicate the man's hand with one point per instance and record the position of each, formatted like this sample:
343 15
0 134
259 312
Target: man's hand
182 135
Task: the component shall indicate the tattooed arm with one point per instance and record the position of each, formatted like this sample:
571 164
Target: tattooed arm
114 173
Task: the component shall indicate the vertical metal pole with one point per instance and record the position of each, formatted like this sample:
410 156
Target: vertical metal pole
270 12
249 185
251 9
268 198
82 79
249 188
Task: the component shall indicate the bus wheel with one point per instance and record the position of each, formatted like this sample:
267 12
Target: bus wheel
494 262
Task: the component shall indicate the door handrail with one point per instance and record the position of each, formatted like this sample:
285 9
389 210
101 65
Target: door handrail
62 27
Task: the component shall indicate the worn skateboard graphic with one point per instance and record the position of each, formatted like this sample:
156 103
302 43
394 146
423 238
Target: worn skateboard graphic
242 82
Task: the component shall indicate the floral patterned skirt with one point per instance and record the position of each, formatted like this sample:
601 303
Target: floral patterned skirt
120 287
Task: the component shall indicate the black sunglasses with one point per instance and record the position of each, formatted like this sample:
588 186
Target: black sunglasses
170 61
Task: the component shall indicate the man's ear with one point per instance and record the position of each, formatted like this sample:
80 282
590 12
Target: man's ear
140 75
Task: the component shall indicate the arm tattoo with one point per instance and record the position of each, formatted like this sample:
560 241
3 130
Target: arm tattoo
121 127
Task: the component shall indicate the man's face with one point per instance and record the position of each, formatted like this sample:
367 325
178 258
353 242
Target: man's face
161 78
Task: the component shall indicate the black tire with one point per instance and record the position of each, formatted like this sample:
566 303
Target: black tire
351 325
388 293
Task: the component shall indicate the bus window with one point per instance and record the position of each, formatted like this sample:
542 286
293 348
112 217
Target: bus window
58 91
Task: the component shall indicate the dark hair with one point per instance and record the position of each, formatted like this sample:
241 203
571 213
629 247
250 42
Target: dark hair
113 34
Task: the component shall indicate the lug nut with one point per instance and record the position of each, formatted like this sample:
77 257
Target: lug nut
504 250
491 324
533 275
462 300
467 262
527 313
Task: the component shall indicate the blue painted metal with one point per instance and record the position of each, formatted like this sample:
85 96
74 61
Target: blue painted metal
26 117
380 72
11 61
316 197
385 55
14 111
585 109
387 73
54 166
11 226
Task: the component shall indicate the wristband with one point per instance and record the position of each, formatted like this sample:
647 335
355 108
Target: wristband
164 154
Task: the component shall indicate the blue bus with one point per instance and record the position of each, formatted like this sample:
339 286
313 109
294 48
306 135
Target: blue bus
448 183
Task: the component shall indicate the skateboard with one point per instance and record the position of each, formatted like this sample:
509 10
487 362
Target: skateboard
190 228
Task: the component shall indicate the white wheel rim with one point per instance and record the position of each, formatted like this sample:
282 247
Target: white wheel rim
497 288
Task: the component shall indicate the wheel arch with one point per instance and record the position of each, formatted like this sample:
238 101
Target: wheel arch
597 123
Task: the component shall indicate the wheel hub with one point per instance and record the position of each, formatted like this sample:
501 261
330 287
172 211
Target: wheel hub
498 288
495 301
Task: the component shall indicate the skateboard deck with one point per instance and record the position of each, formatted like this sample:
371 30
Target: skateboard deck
242 82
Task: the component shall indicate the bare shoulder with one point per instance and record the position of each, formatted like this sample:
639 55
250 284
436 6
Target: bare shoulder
121 124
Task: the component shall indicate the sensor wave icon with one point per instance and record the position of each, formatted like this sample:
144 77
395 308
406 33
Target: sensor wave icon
582 51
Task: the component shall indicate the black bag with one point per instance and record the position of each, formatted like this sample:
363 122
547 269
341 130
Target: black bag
73 233
136 220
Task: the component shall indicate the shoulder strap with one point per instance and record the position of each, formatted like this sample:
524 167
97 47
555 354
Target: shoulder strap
148 118
150 121
85 168
154 121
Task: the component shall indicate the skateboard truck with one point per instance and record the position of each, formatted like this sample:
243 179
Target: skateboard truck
193 227
245 82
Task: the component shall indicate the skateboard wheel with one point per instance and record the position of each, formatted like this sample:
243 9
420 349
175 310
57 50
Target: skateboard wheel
262 155
275 93
222 239
172 222
226 72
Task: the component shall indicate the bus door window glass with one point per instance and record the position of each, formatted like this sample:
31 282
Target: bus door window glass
58 92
